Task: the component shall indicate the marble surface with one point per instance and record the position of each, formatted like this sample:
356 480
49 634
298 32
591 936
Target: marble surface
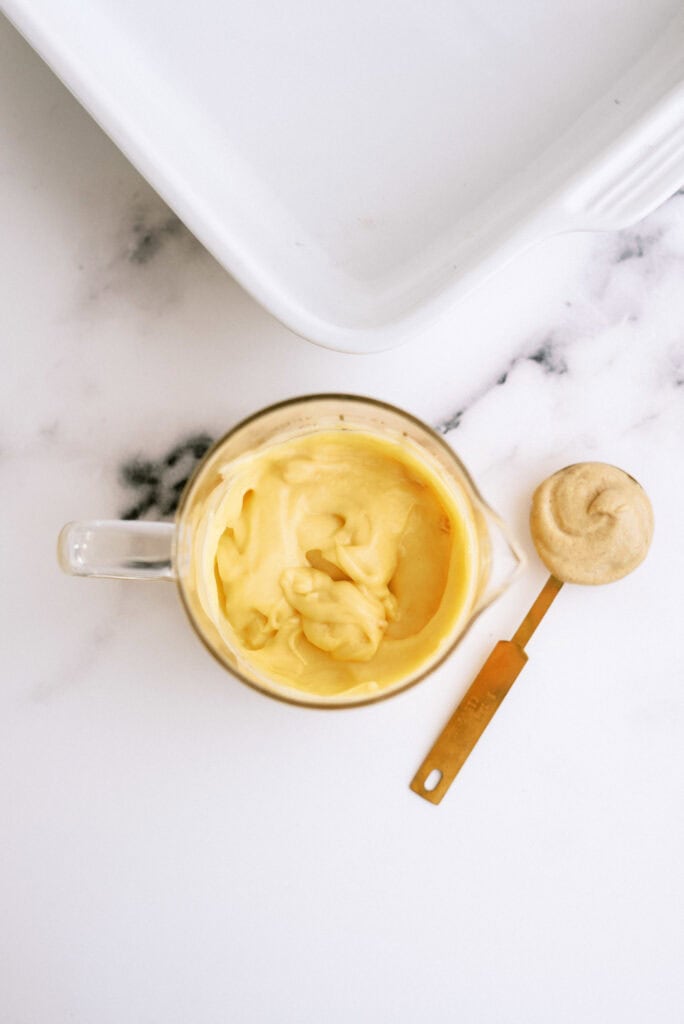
179 848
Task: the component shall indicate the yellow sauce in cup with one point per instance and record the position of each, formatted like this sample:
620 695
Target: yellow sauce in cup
335 561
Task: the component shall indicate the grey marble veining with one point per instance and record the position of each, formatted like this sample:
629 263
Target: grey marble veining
158 484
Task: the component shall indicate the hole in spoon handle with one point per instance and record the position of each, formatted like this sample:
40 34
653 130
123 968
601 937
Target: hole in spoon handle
470 719
485 695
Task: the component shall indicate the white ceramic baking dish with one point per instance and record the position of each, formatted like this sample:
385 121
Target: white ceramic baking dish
357 165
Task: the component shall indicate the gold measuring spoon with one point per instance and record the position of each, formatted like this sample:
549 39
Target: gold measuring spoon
591 523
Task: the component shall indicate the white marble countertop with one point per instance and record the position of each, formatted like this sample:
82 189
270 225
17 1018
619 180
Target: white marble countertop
179 848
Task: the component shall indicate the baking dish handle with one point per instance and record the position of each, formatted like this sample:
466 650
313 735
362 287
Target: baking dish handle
639 173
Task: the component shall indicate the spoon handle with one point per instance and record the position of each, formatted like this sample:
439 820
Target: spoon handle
484 696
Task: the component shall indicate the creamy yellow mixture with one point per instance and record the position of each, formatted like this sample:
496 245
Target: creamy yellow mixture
591 523
335 562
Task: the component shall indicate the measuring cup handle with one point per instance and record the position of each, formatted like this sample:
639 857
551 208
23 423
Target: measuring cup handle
117 549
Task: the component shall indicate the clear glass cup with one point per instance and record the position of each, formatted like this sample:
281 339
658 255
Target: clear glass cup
136 550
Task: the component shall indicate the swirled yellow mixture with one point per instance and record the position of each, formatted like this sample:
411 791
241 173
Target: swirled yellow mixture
335 562
591 523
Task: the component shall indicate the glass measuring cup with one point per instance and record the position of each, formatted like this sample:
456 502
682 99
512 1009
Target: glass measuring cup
164 551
